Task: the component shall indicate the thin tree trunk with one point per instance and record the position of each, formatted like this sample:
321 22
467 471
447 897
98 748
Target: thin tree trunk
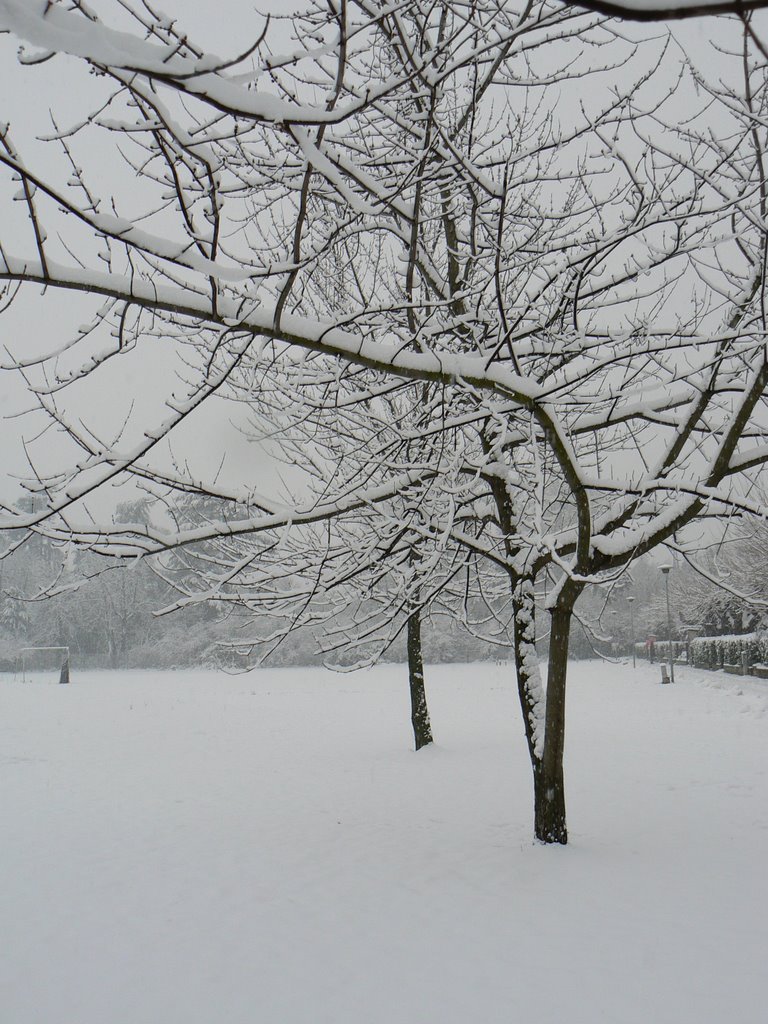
422 728
549 788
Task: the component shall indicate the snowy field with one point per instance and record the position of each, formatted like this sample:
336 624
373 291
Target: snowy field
194 848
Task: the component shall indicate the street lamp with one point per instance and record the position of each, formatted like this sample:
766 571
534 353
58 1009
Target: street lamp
630 602
665 569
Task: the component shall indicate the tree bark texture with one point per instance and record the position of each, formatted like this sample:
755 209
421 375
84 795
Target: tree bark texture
529 687
422 728
549 788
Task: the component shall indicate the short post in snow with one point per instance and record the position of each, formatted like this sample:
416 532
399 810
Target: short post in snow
630 602
665 569
64 676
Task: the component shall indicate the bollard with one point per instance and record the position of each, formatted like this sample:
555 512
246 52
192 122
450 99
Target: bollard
664 674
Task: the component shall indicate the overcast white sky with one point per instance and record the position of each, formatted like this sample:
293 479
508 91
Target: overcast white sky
225 27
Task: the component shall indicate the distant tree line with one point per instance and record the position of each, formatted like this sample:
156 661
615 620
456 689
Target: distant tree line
105 609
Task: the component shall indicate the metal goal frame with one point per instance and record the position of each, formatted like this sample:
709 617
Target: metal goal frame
63 670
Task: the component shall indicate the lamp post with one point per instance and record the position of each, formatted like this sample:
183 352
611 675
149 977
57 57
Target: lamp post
665 569
630 602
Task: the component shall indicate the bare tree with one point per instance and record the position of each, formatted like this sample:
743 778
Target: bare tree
431 256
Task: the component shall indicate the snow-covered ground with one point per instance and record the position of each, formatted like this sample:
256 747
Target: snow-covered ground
195 848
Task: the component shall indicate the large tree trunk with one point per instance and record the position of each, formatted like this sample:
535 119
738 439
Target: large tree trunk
422 728
549 788
544 714
533 705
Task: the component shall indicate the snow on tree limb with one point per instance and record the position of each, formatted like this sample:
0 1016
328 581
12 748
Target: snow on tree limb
674 10
463 274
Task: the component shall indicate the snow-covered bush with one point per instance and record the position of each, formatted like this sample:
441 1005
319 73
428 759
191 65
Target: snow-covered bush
717 651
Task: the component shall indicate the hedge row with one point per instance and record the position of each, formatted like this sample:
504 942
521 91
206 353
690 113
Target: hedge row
716 651
661 650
